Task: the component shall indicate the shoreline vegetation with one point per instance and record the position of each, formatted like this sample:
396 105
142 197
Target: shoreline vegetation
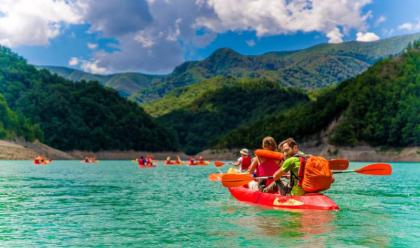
23 150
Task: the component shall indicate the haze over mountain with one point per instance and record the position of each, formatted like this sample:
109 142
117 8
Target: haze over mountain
311 68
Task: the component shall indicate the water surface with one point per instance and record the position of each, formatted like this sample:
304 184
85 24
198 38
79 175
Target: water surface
116 204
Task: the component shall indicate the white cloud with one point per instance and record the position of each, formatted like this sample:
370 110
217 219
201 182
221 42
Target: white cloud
73 61
410 26
273 17
92 46
366 37
25 22
93 67
335 36
380 20
154 35
250 43
145 39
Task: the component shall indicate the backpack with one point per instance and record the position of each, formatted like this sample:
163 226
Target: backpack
314 174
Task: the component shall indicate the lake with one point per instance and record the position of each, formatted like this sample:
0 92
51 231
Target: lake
116 204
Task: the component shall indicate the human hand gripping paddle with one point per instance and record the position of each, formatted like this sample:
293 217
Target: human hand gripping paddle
335 164
237 180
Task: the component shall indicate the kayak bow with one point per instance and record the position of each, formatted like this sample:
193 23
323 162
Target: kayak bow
276 201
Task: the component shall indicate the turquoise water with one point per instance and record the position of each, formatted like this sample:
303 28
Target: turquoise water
116 204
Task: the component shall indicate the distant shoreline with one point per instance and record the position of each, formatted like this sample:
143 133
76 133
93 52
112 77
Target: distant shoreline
22 150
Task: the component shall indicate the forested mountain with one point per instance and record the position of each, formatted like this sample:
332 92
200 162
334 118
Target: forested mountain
201 113
13 125
124 83
379 107
315 67
82 115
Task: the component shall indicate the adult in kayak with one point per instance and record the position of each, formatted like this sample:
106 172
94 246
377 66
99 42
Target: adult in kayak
292 163
263 166
244 161
141 161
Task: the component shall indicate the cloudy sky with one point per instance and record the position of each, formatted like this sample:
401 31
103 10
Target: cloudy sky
154 36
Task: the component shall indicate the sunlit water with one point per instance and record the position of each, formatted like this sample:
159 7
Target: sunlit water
116 204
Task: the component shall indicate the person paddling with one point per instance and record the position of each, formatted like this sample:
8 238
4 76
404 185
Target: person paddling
244 161
264 167
292 163
141 161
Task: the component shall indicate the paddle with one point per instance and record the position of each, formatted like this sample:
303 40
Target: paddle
338 164
378 169
236 180
218 163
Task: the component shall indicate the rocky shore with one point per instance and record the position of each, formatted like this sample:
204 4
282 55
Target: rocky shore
21 150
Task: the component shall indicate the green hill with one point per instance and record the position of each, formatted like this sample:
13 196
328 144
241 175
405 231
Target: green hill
311 68
124 83
83 115
380 107
13 125
201 113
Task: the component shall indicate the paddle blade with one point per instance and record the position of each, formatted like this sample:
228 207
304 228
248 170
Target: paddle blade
218 163
215 177
236 180
376 169
338 164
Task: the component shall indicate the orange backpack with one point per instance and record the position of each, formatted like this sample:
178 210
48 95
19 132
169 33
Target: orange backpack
314 174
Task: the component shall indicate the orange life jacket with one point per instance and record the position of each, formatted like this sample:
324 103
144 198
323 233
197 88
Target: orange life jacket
314 174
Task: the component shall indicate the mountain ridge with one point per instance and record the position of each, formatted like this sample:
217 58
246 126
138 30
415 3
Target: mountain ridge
310 68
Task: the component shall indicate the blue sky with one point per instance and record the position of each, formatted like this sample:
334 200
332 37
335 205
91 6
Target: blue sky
154 36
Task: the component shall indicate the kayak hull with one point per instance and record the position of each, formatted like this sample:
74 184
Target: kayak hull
276 201
204 163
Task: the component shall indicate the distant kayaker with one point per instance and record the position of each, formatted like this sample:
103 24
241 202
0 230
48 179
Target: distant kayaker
141 161
149 161
264 166
244 161
191 161
178 160
292 153
200 160
168 160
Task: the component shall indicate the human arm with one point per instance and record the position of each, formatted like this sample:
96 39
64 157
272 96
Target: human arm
253 166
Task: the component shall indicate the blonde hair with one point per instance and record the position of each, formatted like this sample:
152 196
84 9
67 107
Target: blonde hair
269 142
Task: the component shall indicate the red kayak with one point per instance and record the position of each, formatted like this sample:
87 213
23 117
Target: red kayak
276 201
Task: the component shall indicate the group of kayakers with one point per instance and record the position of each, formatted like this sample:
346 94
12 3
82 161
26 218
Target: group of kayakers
41 160
145 161
89 159
288 164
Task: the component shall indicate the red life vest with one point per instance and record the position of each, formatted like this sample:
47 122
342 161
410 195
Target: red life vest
246 162
140 161
267 169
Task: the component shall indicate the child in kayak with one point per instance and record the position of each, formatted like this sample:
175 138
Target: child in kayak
244 161
292 153
264 167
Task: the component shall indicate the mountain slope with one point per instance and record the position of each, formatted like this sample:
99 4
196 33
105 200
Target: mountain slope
202 112
83 115
380 107
315 67
124 83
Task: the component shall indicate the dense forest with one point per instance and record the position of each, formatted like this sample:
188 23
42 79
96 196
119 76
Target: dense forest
70 115
201 113
380 107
